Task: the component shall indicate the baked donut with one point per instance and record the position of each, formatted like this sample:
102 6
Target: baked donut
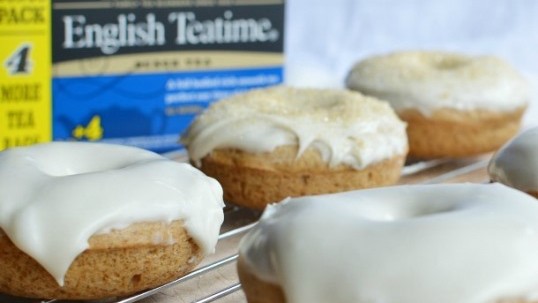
448 243
455 105
516 163
268 144
91 221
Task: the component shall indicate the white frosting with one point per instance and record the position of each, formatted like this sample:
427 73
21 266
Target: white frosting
465 243
516 163
427 81
344 126
54 197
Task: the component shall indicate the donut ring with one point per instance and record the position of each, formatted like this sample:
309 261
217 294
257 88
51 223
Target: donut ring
90 221
395 244
268 144
455 105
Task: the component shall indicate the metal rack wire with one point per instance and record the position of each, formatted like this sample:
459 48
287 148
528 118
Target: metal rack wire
424 172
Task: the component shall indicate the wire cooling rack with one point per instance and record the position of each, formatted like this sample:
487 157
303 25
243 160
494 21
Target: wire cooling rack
216 279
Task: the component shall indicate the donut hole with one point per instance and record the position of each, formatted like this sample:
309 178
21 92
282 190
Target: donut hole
426 211
72 168
75 159
448 62
396 210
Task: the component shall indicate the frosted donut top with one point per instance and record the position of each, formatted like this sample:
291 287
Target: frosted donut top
54 197
516 163
465 243
427 81
345 127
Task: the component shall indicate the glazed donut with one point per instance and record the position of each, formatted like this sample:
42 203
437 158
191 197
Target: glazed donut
268 144
448 243
91 221
455 105
516 163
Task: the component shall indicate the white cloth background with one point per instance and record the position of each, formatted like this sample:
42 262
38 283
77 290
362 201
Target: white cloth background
325 37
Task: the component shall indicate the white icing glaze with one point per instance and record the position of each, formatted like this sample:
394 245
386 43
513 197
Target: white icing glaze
54 197
427 81
346 127
516 163
465 243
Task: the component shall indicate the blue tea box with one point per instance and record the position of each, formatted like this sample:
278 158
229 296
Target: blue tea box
138 72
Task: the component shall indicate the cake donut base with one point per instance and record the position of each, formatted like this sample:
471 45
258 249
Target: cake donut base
118 263
454 133
254 180
256 290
